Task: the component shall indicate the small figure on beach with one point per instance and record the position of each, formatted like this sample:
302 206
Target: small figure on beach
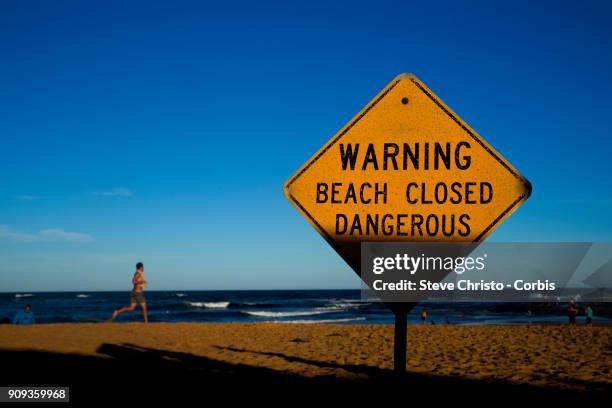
589 315
572 311
423 315
25 316
136 295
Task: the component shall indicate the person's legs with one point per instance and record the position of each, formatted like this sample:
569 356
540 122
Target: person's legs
145 316
129 308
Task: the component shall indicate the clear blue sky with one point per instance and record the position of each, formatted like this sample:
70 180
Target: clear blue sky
163 131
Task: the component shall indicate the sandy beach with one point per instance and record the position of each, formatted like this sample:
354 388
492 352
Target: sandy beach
555 361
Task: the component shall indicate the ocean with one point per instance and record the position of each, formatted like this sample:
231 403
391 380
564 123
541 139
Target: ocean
287 306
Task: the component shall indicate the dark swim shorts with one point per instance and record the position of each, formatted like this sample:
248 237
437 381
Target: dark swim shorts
137 297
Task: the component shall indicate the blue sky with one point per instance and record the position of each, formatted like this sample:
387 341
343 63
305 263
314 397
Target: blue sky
163 131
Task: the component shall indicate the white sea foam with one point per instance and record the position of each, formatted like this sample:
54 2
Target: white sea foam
23 295
180 294
345 320
210 305
340 305
287 314
83 295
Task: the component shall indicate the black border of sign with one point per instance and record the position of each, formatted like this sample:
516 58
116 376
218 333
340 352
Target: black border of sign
525 195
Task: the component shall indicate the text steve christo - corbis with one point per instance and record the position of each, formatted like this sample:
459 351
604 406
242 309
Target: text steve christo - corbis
459 265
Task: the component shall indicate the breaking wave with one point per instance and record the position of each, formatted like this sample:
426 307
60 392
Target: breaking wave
210 305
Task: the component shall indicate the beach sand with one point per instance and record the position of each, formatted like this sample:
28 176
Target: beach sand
552 361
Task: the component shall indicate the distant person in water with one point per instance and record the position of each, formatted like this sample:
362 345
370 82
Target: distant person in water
423 315
25 316
572 312
589 315
136 295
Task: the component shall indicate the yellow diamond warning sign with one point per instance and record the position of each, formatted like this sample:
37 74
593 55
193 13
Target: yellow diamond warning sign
406 168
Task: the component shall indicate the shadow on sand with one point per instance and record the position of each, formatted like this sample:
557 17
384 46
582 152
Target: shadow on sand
128 372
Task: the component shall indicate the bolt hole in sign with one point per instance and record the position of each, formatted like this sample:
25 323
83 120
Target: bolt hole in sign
405 169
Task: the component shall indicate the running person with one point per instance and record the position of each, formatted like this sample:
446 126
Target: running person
136 295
